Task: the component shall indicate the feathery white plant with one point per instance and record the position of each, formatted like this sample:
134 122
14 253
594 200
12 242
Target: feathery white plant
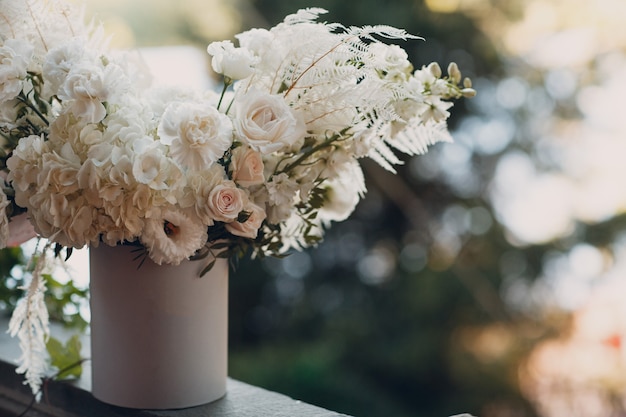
29 323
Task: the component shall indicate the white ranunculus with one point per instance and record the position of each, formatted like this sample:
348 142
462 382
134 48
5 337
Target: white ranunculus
247 167
173 237
231 62
266 123
197 134
249 228
15 56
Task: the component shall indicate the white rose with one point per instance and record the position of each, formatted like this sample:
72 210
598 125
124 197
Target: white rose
197 133
226 201
266 123
197 189
15 56
247 167
249 228
234 63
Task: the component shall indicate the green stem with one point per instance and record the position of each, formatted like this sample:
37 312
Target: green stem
227 83
30 105
328 142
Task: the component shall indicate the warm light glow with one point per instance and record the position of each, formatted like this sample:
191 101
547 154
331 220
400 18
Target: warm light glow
443 6
159 22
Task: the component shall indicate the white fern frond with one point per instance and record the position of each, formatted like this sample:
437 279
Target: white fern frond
384 156
46 24
305 15
30 323
384 31
416 137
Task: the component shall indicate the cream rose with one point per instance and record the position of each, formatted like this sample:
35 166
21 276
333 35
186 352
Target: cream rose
226 201
249 228
266 123
247 167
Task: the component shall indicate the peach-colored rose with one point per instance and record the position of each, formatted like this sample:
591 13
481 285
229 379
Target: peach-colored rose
249 228
247 167
226 201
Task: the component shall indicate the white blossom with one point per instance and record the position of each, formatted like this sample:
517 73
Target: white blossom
197 134
282 189
15 56
234 63
173 237
344 192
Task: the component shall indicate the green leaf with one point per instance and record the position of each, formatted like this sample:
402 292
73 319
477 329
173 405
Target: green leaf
66 358
207 268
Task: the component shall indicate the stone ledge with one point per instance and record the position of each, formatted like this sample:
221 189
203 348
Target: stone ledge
73 399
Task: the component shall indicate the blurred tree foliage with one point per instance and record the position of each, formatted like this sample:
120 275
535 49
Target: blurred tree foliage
385 318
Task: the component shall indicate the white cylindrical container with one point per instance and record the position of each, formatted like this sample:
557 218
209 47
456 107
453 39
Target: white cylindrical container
159 334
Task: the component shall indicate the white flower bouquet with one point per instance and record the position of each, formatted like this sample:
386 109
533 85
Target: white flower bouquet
92 154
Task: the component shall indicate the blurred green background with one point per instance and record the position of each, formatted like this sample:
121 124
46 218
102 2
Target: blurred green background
487 276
